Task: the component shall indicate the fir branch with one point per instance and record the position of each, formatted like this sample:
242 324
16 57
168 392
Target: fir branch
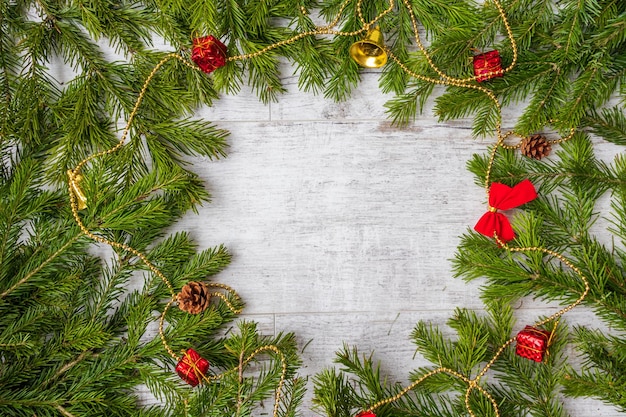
9 63
345 73
77 48
461 102
312 63
65 368
403 108
605 379
439 16
588 90
52 257
191 137
204 15
64 411
117 21
609 124
294 392
546 102
334 395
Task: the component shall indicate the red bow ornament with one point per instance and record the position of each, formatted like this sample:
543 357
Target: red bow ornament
503 197
208 53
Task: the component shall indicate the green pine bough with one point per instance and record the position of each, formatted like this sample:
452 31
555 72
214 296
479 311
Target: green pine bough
73 341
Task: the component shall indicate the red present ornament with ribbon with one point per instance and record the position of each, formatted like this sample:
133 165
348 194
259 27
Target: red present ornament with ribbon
487 66
532 343
503 197
208 53
192 367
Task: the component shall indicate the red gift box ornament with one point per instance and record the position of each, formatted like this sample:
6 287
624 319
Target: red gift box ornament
192 367
487 66
533 343
503 197
208 53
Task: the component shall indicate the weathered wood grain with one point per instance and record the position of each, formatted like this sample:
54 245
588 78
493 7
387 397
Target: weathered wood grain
332 216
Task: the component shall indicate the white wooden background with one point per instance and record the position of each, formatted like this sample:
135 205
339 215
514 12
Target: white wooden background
342 227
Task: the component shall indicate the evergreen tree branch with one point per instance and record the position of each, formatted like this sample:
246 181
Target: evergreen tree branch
41 266
609 124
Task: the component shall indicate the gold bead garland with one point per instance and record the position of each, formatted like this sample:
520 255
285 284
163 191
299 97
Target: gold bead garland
78 200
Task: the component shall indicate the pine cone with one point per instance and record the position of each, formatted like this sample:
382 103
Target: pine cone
194 297
535 146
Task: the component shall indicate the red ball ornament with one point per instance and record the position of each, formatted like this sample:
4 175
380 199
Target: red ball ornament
532 343
208 53
487 66
366 414
192 367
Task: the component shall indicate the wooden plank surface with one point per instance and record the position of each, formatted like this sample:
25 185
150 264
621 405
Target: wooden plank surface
342 226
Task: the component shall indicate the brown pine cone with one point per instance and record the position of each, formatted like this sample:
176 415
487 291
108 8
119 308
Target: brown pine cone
535 146
194 297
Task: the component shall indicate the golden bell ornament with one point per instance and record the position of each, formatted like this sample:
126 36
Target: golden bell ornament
81 199
370 52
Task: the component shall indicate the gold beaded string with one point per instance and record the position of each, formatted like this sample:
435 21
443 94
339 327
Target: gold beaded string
133 113
522 137
76 192
458 82
447 82
500 144
445 76
320 30
473 383
77 197
77 201
565 261
465 82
